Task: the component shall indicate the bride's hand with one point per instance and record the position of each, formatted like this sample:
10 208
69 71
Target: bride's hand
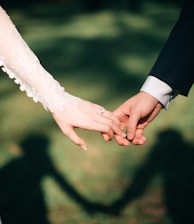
86 115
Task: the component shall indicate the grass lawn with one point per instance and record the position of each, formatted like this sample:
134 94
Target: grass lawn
102 56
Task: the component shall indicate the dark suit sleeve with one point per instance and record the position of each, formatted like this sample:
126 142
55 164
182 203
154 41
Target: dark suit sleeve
175 63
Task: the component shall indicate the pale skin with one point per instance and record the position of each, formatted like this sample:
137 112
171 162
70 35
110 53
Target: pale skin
135 114
89 116
69 112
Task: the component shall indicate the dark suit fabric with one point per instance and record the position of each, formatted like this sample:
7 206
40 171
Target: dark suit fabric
175 63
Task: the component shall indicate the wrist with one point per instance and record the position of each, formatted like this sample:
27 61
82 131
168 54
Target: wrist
158 89
149 98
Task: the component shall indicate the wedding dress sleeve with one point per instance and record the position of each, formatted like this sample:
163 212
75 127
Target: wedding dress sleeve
22 65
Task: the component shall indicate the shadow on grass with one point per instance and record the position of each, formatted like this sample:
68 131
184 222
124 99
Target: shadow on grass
21 197
171 158
22 200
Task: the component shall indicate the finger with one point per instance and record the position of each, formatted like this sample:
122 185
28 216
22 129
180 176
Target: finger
108 132
109 115
132 125
72 135
106 137
139 138
102 125
121 141
113 122
123 118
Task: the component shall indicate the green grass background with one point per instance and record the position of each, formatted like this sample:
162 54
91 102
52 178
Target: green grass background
103 57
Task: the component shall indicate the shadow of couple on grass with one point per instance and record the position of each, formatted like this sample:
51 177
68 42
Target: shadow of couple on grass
22 200
21 196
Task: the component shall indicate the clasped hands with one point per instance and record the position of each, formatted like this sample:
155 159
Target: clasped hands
126 124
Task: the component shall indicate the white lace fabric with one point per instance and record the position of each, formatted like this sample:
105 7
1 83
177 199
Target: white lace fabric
22 65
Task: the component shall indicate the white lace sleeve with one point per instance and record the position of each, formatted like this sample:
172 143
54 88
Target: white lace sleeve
22 65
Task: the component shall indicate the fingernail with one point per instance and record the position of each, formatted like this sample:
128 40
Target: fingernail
84 147
130 136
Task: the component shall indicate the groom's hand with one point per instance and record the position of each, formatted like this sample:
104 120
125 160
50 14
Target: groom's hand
135 114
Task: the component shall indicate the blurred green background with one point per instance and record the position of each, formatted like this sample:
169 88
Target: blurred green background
101 51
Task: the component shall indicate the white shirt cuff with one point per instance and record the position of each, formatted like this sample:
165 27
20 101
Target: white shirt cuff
158 89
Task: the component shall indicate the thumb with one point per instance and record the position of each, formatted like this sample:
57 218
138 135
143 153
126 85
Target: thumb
72 135
132 125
